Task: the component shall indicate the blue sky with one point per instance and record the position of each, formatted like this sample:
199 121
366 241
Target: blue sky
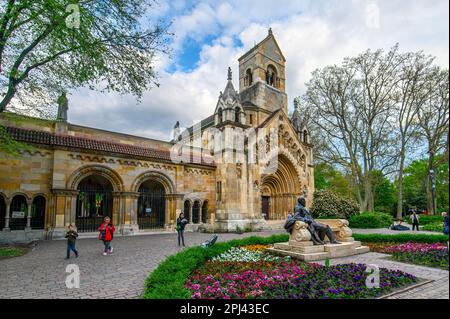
212 35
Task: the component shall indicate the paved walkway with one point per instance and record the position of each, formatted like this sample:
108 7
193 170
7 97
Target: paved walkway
42 272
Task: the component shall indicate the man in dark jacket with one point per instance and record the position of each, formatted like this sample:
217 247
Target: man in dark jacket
318 230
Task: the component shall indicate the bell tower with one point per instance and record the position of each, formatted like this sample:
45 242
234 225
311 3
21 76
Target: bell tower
262 76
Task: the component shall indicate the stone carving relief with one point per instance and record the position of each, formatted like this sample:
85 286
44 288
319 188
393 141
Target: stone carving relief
101 159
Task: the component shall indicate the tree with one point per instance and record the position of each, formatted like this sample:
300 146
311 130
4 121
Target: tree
48 47
415 180
433 120
351 106
372 111
410 95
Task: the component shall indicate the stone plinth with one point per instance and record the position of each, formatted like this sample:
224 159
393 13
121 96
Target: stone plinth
301 247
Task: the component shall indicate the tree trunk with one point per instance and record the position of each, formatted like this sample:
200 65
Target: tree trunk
7 98
428 186
400 184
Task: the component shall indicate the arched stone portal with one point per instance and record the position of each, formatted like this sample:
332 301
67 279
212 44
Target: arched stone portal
280 190
94 202
151 205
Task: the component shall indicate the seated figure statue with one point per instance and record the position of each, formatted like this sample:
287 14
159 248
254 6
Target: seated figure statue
318 230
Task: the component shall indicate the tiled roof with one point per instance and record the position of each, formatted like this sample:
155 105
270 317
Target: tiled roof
46 138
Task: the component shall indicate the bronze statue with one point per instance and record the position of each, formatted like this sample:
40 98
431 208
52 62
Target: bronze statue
318 230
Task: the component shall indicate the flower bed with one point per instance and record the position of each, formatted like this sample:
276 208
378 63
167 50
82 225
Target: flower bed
292 279
435 255
243 254
169 279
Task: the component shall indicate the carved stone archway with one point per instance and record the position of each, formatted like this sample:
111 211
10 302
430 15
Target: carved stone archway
104 171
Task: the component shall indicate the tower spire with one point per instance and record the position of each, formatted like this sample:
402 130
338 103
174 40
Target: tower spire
229 73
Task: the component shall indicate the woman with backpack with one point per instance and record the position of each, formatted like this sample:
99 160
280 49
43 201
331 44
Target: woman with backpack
107 230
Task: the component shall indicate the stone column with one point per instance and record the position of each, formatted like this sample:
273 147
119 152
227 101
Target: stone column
73 207
130 225
117 211
191 206
29 206
62 211
7 214
178 206
168 210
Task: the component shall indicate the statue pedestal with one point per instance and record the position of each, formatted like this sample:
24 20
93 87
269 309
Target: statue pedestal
301 247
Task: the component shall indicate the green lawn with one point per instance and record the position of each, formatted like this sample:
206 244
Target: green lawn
10 252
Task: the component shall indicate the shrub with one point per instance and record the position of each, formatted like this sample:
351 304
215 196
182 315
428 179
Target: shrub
327 204
438 227
426 219
401 238
371 220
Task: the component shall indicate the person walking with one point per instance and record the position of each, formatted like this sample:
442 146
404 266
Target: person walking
181 223
445 230
415 220
71 236
107 230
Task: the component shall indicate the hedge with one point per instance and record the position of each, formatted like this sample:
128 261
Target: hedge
401 238
426 219
371 220
437 227
168 279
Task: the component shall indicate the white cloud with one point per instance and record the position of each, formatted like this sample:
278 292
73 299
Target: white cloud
311 34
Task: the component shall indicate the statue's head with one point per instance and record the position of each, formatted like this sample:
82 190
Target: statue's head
302 201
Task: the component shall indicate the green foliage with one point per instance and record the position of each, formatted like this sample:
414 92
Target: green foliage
371 220
436 226
10 146
45 51
168 279
384 193
414 185
327 262
10 252
401 238
327 177
327 204
426 219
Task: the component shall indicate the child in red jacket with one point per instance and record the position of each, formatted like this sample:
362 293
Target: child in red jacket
107 230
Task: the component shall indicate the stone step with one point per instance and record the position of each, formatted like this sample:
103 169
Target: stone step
339 247
282 246
362 249
301 256
309 249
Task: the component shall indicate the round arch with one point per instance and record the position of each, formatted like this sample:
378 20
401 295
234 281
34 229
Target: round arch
38 211
280 189
100 170
156 176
